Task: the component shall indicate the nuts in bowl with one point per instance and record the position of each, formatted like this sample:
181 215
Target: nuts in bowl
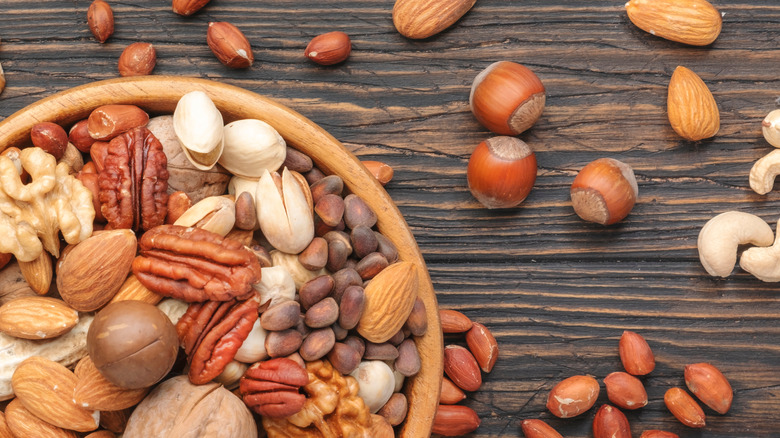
260 268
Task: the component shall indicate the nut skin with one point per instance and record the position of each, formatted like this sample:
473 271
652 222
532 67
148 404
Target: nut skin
138 59
710 386
573 396
604 191
501 172
684 408
329 48
383 172
693 22
461 367
50 137
538 429
507 98
635 354
609 422
229 45
100 19
625 390
483 346
692 110
454 420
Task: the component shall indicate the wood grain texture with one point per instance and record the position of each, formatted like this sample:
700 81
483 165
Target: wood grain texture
556 292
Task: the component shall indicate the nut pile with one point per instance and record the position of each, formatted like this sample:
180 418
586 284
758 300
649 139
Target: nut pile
577 394
272 292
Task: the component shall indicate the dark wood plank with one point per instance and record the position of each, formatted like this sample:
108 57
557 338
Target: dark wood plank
556 291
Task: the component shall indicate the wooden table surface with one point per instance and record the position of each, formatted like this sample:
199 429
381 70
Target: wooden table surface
556 291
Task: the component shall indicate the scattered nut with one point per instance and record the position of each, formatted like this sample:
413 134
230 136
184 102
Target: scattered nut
455 420
635 354
720 237
694 22
329 48
138 59
690 105
420 19
604 191
188 7
770 127
573 396
625 390
229 45
538 429
684 408
710 386
764 171
100 19
610 422
501 172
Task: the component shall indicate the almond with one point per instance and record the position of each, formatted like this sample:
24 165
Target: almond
100 19
483 346
101 434
93 391
538 429
453 321
38 273
625 390
389 298
573 396
450 393
46 389
229 45
635 353
89 274
5 432
138 59
609 422
329 48
684 407
694 22
461 367
658 434
132 289
383 172
188 7
710 386
691 107
454 420
37 317
22 423
418 19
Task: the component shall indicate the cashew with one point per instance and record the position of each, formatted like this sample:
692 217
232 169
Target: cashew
721 235
764 171
771 128
763 262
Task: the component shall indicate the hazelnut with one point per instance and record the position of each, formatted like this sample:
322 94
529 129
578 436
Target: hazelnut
501 172
507 98
604 191
329 48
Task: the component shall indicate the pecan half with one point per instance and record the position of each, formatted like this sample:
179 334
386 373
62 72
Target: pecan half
195 265
212 332
134 181
271 387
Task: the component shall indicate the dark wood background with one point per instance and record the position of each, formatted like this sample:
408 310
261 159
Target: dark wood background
556 291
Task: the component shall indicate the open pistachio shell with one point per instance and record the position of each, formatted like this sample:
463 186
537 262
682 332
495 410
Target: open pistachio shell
252 146
215 213
283 213
198 125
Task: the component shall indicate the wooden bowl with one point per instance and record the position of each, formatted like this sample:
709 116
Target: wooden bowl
159 94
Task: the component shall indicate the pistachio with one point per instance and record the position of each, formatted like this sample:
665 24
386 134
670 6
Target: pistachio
215 213
253 347
199 128
276 286
283 213
232 374
252 147
376 383
290 262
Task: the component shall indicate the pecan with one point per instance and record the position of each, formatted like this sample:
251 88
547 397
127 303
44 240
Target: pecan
194 265
212 332
271 387
134 181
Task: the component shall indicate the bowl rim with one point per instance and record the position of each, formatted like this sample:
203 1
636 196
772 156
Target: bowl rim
159 94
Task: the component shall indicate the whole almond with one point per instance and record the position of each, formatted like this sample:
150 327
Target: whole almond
625 390
450 393
329 48
22 423
94 270
229 45
389 298
37 318
454 420
93 391
538 429
635 353
609 422
573 396
418 19
658 434
188 7
46 388
694 22
50 137
381 171
453 321
138 59
100 19
38 273
684 408
710 386
5 432
691 107
461 367
483 346
132 289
